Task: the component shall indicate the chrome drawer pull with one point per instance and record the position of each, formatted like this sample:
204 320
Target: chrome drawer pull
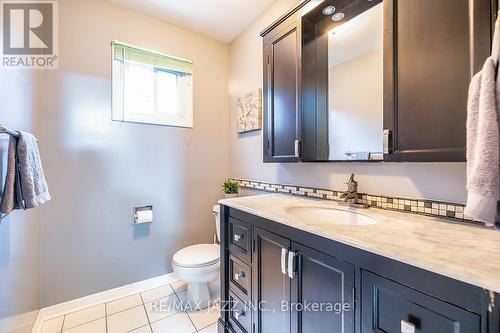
238 314
237 237
283 260
407 327
239 276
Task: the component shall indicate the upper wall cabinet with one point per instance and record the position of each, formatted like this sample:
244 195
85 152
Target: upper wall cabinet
282 81
432 48
372 80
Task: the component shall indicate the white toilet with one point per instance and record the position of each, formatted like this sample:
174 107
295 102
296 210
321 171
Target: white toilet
199 265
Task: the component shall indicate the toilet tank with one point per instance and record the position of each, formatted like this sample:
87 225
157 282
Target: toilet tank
216 212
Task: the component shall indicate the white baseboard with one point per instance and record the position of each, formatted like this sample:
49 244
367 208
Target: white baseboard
16 322
37 326
99 298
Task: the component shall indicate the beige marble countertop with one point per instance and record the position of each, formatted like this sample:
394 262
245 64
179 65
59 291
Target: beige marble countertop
466 253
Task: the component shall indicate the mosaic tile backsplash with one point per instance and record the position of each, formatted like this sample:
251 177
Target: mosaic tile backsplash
453 211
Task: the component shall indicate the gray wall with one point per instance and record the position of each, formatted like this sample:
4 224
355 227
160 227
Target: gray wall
98 169
442 181
19 232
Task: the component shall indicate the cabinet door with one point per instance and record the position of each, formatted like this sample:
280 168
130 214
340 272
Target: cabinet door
271 285
326 283
432 49
389 307
282 94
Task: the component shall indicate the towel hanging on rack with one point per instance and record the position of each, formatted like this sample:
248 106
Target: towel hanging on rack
25 185
495 47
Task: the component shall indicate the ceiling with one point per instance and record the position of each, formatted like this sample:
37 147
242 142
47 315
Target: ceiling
223 20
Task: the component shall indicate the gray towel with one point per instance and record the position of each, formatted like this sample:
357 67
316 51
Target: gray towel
11 192
34 188
483 146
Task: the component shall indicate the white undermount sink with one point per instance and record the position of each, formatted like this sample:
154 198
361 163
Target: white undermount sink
331 215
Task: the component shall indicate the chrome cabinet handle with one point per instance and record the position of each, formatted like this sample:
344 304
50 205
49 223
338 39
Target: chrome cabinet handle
238 314
239 276
407 327
291 261
387 149
237 237
283 260
297 152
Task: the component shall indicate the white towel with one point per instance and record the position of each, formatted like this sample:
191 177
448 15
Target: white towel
483 145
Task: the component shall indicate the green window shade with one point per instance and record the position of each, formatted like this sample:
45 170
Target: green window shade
129 53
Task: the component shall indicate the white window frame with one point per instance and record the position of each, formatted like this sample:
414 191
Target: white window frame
182 119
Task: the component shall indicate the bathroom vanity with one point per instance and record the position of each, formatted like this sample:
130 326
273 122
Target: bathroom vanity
340 269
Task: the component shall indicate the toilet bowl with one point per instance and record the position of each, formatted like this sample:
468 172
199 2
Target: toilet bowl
199 265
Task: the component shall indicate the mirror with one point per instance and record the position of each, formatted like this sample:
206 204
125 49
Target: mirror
348 41
355 87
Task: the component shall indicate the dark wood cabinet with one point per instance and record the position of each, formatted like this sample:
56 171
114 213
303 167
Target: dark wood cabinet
271 284
325 282
240 239
432 48
331 287
281 98
390 307
286 280
239 314
240 277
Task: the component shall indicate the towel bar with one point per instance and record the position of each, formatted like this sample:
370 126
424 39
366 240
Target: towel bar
4 129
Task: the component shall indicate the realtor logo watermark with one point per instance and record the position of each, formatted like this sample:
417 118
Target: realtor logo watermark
30 34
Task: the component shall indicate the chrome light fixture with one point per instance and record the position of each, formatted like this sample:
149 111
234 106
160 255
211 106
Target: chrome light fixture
329 10
338 17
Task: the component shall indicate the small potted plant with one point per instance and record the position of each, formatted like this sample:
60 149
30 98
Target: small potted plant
230 188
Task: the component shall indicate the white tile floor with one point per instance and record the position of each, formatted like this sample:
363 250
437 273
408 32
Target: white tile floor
157 310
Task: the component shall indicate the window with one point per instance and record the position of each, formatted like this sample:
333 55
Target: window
151 88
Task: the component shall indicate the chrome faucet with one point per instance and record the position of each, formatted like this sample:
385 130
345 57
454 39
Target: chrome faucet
351 195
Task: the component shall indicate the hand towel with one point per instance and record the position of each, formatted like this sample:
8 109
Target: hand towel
11 191
483 146
34 188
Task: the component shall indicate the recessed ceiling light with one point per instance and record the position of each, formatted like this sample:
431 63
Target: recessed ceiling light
338 17
329 10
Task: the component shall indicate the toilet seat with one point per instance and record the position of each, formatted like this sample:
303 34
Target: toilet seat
199 255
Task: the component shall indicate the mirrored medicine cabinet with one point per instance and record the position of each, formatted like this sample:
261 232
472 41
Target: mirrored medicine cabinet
348 106
372 80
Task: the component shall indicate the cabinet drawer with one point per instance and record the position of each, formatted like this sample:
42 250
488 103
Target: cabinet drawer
240 316
240 239
389 307
240 275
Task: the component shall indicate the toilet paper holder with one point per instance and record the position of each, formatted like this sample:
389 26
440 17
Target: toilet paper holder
143 214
